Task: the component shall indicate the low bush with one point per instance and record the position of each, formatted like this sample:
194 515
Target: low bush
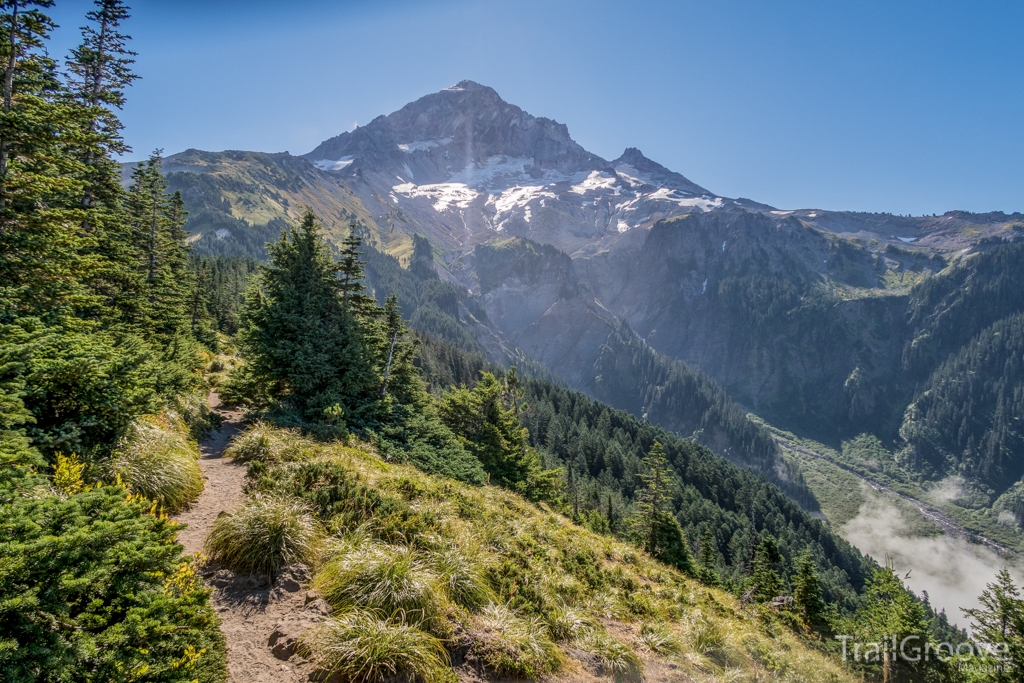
263 536
361 646
93 588
156 459
510 645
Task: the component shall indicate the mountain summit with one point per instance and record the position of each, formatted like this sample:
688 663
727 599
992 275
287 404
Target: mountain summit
470 163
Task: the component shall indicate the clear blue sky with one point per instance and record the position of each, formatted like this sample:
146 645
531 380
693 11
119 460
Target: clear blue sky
906 107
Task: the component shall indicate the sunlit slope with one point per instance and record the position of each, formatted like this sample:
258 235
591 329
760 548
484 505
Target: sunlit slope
504 587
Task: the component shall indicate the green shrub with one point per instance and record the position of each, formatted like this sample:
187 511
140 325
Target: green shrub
360 646
432 447
158 460
510 645
389 579
326 485
263 536
94 589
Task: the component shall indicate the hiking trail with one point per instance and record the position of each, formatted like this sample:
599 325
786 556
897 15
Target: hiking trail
251 609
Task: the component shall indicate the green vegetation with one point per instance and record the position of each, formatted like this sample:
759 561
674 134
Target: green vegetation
362 647
966 418
158 460
94 588
263 536
96 342
414 563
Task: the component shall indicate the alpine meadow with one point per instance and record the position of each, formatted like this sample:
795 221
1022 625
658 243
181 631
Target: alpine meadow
450 398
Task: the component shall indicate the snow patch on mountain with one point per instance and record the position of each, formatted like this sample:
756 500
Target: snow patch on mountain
423 145
702 203
519 197
444 195
333 164
597 180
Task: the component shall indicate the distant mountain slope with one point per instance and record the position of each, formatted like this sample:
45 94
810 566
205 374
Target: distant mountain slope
825 323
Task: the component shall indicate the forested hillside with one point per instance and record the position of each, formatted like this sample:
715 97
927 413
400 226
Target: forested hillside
100 362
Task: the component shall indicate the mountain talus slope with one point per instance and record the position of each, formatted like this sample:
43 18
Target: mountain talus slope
812 318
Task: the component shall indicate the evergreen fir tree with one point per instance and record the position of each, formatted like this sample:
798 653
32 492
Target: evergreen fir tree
807 591
764 576
491 431
999 624
654 525
707 559
301 338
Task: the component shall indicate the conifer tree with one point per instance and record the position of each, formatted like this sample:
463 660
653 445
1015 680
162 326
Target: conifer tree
43 256
300 335
999 624
352 276
890 614
99 70
807 591
654 525
707 559
764 576
491 431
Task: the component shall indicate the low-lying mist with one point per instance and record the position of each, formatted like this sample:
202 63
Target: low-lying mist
951 570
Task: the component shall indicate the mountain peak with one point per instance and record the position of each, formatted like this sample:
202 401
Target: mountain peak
633 163
459 126
467 85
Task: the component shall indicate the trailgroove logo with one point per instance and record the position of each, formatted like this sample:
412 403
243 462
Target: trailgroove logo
910 649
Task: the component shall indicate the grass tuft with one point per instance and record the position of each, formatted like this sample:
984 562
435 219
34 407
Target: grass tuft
618 659
359 646
263 536
659 639
567 623
705 636
264 442
461 577
390 579
158 460
510 645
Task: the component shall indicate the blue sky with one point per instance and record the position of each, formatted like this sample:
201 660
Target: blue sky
905 107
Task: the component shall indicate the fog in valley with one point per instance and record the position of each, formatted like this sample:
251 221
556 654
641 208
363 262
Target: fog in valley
951 570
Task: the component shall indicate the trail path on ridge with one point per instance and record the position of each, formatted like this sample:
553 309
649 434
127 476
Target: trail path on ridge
249 607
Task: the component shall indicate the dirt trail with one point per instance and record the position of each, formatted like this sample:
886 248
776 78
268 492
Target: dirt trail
250 608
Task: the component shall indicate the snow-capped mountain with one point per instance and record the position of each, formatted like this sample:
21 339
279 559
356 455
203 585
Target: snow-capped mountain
476 167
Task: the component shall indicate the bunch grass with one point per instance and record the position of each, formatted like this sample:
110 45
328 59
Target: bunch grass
263 536
362 646
158 460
